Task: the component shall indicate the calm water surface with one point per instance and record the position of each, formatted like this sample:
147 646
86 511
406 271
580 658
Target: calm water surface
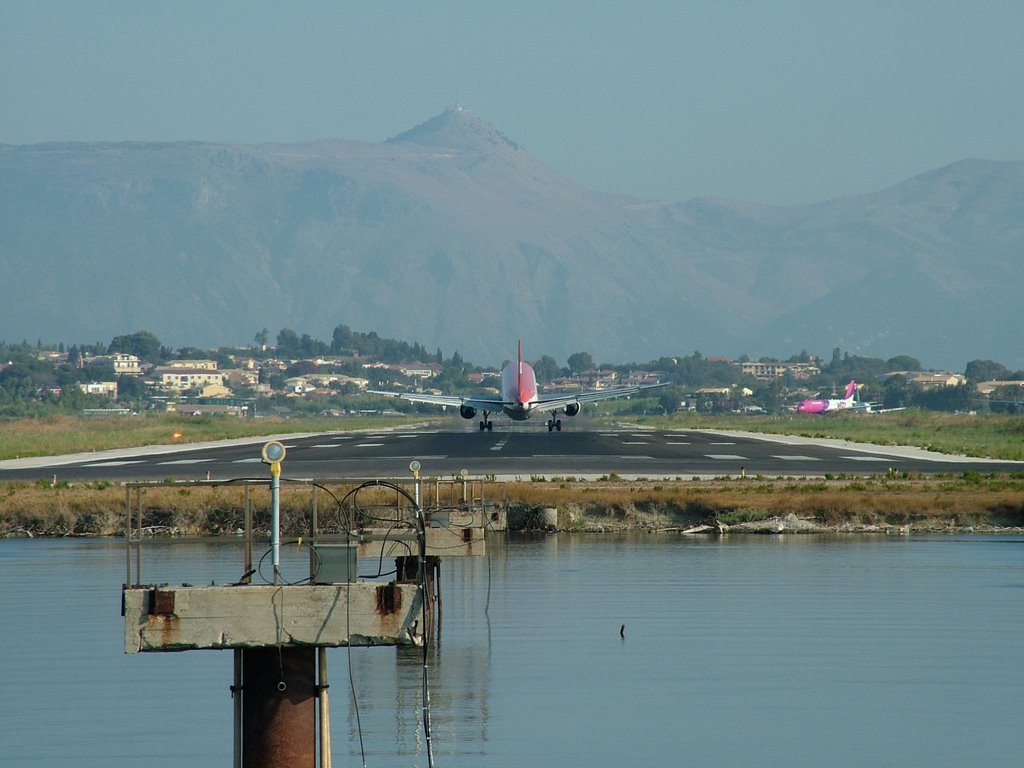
742 651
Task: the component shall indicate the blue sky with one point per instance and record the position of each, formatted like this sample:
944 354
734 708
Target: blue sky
776 102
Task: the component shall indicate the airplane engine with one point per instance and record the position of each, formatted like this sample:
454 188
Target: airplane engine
466 412
572 409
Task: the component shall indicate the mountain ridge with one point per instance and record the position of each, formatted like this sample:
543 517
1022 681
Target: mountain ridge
453 235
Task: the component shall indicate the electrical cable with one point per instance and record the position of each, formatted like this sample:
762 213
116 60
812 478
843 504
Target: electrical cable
351 677
421 578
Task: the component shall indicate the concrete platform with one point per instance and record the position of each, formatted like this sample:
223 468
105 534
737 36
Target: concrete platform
180 618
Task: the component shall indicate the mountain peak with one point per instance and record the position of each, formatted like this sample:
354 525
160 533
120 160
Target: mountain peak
456 128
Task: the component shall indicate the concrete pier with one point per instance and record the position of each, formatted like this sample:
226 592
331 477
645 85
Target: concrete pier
279 631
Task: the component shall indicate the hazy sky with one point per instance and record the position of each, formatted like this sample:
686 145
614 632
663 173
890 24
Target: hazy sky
777 101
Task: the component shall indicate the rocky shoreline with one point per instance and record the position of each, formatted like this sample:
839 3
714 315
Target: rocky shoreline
591 520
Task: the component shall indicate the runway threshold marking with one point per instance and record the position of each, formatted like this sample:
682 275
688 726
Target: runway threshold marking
115 463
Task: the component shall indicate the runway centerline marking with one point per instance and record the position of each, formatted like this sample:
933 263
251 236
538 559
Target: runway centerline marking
797 457
724 456
182 461
869 458
368 445
670 442
115 463
499 445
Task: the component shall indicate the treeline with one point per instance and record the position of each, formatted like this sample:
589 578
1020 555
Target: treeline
345 341
32 383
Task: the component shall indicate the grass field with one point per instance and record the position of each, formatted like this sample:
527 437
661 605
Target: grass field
992 436
61 435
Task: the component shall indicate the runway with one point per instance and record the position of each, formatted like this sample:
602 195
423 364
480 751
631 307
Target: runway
519 453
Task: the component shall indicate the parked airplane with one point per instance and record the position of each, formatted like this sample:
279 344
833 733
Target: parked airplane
847 403
827 406
519 398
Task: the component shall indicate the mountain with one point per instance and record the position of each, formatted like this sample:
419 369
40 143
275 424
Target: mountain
453 235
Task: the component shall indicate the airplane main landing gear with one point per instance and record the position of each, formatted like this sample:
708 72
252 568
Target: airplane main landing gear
486 423
555 424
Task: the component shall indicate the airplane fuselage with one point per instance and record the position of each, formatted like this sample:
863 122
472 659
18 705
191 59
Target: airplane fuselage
518 390
823 406
833 404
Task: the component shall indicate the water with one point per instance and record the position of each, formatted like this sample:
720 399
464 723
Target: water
744 651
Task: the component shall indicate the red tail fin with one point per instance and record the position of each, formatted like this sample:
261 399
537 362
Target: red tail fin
521 384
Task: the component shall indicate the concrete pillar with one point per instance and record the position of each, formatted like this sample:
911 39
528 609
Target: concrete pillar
279 726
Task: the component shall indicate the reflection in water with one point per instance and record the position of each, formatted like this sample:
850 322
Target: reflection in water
795 650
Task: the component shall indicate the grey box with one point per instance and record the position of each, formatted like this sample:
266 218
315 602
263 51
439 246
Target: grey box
333 564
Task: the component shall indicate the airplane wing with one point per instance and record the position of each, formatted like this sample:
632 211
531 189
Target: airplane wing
555 401
480 403
859 407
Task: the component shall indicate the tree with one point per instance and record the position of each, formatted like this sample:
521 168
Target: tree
546 369
287 343
342 340
670 399
143 344
903 363
986 370
580 361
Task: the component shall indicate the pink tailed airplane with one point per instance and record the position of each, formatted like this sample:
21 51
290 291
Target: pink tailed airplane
827 406
519 398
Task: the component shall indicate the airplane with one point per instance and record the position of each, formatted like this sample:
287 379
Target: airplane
846 403
833 404
519 398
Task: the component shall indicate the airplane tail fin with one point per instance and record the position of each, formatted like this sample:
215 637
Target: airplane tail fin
521 383
850 389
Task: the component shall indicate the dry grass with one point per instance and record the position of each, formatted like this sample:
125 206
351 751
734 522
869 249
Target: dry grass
194 509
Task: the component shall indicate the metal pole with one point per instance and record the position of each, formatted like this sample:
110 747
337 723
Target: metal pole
313 521
248 534
236 695
275 519
325 710
128 535
138 538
